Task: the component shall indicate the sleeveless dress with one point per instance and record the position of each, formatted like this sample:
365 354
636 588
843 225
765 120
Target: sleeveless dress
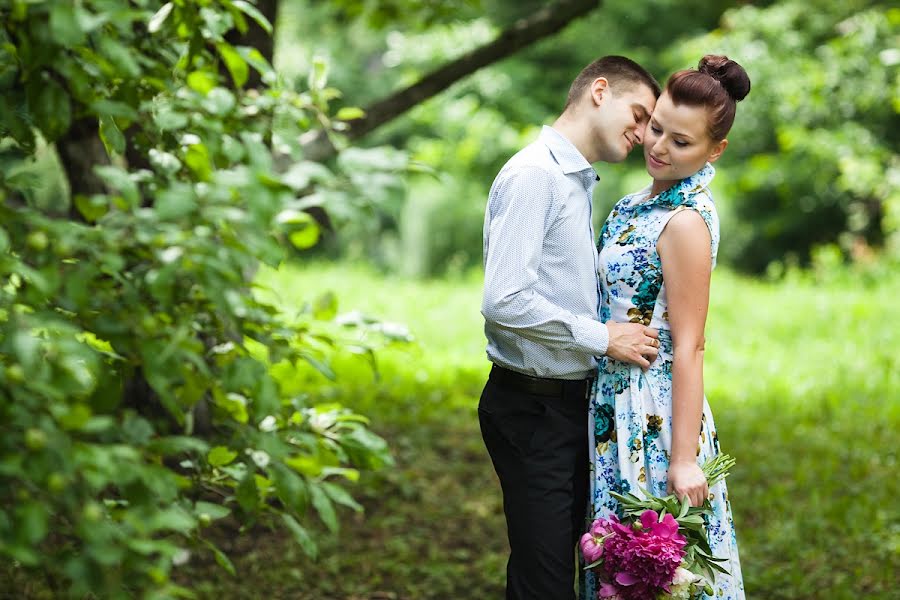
631 410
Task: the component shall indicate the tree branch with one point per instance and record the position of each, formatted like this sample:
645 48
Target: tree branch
521 34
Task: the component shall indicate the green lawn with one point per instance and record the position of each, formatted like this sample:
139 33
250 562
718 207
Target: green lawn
803 378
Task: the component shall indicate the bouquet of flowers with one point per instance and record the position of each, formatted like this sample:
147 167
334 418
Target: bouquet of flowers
658 550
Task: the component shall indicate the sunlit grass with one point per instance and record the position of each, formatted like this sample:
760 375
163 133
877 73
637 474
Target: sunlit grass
803 379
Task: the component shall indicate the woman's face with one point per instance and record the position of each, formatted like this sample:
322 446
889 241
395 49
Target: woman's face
677 142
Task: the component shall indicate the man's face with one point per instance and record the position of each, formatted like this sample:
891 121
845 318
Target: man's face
622 119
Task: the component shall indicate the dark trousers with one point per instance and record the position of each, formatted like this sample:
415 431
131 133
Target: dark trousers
539 446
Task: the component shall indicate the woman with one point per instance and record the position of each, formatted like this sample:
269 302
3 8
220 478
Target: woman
653 429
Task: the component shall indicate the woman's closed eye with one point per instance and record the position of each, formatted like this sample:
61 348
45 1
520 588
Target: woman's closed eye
658 131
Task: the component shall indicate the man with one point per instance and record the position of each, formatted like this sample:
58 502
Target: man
540 306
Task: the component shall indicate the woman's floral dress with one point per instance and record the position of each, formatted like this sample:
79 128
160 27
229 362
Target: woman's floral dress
631 410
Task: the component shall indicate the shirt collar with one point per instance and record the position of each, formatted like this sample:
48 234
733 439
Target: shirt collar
565 153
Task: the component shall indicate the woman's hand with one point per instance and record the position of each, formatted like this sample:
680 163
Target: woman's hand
687 479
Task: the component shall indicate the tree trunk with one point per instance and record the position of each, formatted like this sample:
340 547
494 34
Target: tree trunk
80 150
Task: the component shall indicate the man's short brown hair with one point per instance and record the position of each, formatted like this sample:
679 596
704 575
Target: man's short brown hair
621 72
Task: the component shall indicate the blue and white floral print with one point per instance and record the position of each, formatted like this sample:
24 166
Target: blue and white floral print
631 410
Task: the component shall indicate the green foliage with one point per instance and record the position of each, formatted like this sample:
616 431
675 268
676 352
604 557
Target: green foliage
468 132
136 396
411 13
813 156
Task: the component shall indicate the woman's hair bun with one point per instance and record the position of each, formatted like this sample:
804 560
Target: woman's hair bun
730 74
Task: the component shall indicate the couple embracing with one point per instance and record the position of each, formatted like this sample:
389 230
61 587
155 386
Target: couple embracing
597 340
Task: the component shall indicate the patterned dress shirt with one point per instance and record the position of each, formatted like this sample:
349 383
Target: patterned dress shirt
541 291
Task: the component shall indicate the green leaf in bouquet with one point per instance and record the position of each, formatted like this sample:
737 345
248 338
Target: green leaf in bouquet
685 507
703 548
626 500
693 526
693 519
717 567
707 556
717 468
596 563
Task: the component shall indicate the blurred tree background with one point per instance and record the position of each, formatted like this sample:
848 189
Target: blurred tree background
813 158
232 232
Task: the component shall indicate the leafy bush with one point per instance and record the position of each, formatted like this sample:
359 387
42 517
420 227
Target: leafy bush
136 400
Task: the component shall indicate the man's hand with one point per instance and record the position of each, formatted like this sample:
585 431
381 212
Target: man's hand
633 343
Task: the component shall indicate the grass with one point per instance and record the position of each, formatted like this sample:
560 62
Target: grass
803 378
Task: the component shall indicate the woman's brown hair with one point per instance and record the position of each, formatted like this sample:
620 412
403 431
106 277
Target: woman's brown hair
718 83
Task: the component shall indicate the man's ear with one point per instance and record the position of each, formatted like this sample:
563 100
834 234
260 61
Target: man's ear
717 151
599 90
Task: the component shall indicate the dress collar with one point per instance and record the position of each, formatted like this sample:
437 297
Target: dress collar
678 194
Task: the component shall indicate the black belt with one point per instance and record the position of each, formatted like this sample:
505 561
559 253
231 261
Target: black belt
542 386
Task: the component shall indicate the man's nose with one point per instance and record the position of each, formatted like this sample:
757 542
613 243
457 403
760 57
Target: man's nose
639 133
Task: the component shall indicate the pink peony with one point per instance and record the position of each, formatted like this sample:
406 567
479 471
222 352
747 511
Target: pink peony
591 548
602 527
592 542
608 591
642 560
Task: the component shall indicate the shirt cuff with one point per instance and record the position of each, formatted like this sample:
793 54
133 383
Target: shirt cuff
592 336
